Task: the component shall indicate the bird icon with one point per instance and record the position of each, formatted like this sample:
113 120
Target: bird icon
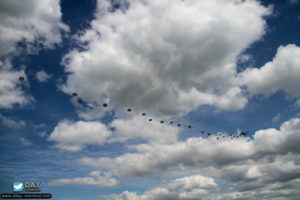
18 186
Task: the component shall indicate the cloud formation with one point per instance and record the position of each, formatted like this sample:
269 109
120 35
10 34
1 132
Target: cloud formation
10 87
266 165
191 187
169 57
95 179
202 151
139 127
42 76
37 23
282 73
11 122
73 136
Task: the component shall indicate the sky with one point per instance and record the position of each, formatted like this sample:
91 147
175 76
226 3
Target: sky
222 67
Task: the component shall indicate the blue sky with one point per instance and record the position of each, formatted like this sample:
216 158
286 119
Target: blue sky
220 66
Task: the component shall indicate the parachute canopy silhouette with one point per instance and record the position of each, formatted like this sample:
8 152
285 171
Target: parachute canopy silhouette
21 78
243 133
105 105
74 94
129 109
161 122
143 114
150 120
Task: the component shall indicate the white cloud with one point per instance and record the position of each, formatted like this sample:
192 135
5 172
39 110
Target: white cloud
95 179
11 123
202 152
42 76
165 56
73 136
140 128
10 87
159 157
265 167
38 23
280 74
25 141
192 187
245 58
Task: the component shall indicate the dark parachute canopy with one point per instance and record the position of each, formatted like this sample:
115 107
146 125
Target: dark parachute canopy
74 94
105 105
129 109
243 133
21 78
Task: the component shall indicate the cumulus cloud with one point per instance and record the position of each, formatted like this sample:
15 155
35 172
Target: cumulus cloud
140 128
11 123
192 187
192 152
202 151
73 136
37 23
169 57
10 88
265 166
95 179
280 74
42 76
